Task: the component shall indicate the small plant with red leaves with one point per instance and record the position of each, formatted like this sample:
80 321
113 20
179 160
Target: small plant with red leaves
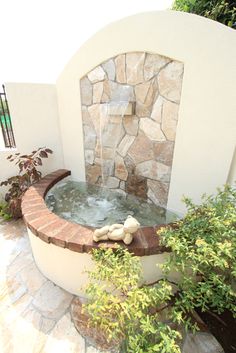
28 175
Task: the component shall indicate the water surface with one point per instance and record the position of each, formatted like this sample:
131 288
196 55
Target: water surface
95 206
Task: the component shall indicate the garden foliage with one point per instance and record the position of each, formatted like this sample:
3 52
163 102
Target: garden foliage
28 175
223 11
203 251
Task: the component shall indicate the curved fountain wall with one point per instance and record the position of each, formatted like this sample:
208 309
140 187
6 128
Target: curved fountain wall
130 147
62 249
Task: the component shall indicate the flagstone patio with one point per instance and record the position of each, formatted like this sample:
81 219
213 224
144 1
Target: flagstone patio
34 312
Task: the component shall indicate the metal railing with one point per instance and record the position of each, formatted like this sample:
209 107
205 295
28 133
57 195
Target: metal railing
5 121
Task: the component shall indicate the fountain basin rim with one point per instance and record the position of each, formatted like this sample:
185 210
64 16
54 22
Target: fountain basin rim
52 229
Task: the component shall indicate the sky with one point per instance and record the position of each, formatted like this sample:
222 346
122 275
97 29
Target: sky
38 37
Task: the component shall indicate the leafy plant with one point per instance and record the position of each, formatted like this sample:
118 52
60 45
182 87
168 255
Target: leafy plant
223 11
128 313
4 212
203 248
28 175
204 252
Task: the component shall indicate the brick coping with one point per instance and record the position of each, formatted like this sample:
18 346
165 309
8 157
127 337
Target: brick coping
52 229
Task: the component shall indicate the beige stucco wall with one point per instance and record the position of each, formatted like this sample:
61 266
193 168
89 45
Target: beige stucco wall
206 131
68 269
34 113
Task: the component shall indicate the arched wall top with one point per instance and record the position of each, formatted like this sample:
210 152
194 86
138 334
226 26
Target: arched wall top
206 129
137 33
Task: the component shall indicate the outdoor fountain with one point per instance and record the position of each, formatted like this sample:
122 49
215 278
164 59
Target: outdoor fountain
129 115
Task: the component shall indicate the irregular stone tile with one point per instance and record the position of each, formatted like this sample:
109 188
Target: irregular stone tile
85 116
156 113
131 124
107 91
86 91
170 81
141 91
142 149
93 172
134 67
47 325
163 152
120 169
169 119
110 69
90 137
122 185
95 112
97 92
145 109
153 170
153 64
120 68
136 185
112 182
158 192
121 93
20 262
152 129
125 144
201 343
12 290
64 338
32 278
96 75
129 163
152 93
89 156
51 300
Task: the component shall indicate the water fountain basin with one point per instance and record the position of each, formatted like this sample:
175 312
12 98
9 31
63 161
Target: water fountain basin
61 248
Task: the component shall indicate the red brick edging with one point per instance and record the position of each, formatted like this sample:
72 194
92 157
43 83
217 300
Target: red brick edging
53 229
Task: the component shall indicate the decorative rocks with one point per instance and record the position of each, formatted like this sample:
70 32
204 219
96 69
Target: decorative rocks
132 153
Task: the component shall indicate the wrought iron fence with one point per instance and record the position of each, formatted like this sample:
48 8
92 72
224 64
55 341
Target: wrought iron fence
5 121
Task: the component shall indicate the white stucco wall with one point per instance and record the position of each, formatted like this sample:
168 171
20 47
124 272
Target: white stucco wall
34 113
206 132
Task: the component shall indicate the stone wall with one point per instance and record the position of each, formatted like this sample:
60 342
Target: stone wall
132 153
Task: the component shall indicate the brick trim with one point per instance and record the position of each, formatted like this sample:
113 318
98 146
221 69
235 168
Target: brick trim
53 229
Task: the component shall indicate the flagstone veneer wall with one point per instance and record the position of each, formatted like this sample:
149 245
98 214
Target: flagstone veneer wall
137 150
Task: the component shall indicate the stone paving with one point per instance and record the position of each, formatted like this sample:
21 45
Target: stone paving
35 313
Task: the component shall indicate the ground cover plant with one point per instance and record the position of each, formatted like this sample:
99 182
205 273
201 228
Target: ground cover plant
27 176
146 318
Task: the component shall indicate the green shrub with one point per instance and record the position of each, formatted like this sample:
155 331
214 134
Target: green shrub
204 242
223 11
203 248
4 211
128 313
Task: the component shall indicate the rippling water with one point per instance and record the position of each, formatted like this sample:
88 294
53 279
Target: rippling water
92 205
